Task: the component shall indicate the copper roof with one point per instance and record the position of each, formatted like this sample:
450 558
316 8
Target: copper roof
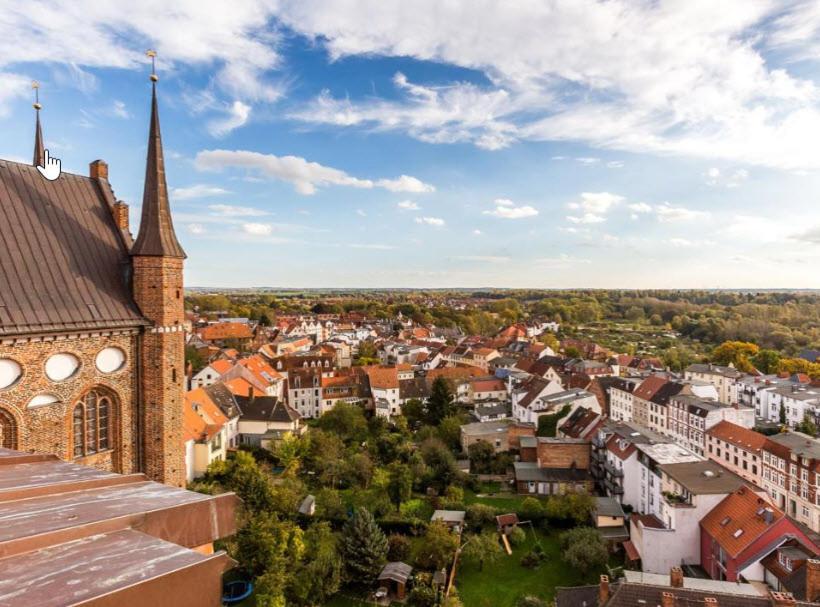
63 262
156 236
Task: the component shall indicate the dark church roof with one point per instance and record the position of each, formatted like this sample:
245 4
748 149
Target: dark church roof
64 265
156 236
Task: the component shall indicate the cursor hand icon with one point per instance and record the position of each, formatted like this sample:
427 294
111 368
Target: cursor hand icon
51 170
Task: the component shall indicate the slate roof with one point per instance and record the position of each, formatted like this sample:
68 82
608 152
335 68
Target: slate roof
266 409
64 264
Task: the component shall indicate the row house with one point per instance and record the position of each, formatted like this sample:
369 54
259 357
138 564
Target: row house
722 378
689 417
689 491
738 449
487 388
206 434
791 461
304 391
755 391
651 456
621 399
797 403
384 387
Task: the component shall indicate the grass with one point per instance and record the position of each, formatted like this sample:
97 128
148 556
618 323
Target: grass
505 502
504 582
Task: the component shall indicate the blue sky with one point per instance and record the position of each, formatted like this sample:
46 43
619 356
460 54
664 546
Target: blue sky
476 143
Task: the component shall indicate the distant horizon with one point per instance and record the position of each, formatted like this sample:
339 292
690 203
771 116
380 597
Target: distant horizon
485 288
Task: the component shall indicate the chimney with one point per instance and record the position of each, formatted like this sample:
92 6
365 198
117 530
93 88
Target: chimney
250 393
676 577
812 580
781 599
603 590
121 215
98 169
667 599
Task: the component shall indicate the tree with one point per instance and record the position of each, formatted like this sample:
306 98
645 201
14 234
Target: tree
319 574
441 463
289 452
807 426
363 547
399 547
449 430
737 353
767 361
440 403
481 454
400 483
359 470
266 545
413 410
480 515
584 549
531 509
482 548
242 475
347 421
437 548
572 352
193 357
366 354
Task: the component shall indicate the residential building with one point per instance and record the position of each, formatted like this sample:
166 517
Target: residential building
266 420
738 449
206 433
689 491
621 399
791 463
722 378
741 531
651 456
503 435
553 466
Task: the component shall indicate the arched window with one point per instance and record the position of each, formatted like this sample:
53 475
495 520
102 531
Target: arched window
8 430
91 421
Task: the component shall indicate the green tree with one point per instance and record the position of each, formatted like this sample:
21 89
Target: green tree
318 575
242 475
584 549
437 548
482 455
440 403
363 547
193 358
414 411
767 361
532 509
449 430
347 421
480 515
266 545
400 483
483 548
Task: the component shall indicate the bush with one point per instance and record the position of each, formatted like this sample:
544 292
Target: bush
531 509
584 549
422 596
398 547
480 515
531 560
517 536
530 601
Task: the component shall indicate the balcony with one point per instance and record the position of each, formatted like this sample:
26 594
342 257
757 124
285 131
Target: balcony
597 442
613 487
675 500
612 470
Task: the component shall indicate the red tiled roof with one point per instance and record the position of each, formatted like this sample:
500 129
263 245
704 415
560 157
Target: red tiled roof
225 330
735 523
614 447
489 385
648 387
738 435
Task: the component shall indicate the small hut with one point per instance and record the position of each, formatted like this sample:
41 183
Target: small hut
396 575
506 522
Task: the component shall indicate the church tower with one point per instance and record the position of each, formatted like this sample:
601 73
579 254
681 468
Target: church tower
157 260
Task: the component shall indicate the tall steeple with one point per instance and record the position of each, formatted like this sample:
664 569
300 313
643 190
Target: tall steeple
156 236
39 149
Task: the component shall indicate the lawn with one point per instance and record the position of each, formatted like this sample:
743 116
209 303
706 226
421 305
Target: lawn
505 502
502 583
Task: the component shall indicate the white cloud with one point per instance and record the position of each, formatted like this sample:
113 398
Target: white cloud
227 210
811 236
408 205
586 218
615 164
361 213
120 110
598 203
375 247
588 160
484 258
666 213
14 86
715 177
561 261
236 115
196 229
199 190
257 229
305 176
437 222
506 209
659 77
639 207
477 232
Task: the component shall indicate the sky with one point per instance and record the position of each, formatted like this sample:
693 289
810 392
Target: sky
467 143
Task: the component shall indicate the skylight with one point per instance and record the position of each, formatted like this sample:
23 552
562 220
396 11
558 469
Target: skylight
738 533
725 521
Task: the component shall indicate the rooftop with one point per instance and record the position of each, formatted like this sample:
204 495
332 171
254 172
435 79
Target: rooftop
703 477
798 443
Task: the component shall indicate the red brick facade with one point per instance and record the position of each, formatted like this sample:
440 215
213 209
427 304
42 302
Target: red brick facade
158 292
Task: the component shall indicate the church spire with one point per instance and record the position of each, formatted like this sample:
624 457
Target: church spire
39 149
156 235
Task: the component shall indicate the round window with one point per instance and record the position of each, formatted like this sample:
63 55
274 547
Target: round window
42 399
110 359
10 372
61 366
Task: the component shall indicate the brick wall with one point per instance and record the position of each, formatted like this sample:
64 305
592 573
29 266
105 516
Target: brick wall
563 455
48 428
158 293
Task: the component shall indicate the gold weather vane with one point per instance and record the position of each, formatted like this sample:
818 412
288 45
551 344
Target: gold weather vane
153 55
36 86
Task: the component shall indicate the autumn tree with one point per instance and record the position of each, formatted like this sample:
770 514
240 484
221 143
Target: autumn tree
737 353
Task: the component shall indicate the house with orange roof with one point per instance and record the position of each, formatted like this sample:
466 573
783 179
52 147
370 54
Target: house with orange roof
737 448
227 334
488 388
211 373
205 432
267 378
384 389
741 531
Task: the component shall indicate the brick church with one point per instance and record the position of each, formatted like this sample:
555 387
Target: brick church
91 320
